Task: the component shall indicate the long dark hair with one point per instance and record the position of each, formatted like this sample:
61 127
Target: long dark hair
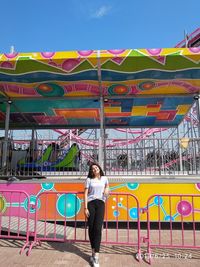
91 174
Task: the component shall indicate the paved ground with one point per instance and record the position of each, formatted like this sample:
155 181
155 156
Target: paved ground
77 255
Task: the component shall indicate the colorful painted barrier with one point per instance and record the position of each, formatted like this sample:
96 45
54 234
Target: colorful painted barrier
141 190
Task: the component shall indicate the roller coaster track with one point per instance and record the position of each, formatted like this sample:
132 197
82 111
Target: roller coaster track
191 40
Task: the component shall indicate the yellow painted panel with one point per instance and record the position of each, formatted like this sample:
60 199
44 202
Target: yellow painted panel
139 111
183 109
112 109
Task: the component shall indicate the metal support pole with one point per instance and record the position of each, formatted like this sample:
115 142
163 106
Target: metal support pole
127 150
186 38
32 143
5 144
197 98
180 152
198 118
101 137
70 138
33 134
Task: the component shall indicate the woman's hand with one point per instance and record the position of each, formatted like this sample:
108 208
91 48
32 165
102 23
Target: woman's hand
87 213
106 192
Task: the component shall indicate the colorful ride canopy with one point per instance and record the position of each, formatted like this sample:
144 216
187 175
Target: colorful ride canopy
141 87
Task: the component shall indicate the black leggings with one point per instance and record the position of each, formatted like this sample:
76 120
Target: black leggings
95 221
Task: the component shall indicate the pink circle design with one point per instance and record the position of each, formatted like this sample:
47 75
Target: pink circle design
11 55
116 51
70 64
154 51
6 65
47 54
198 186
52 63
184 208
85 53
194 50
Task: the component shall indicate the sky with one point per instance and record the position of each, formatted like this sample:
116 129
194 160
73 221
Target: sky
63 25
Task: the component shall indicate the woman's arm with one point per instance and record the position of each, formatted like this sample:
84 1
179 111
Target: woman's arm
106 190
86 211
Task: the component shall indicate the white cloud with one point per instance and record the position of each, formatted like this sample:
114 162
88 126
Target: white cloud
101 12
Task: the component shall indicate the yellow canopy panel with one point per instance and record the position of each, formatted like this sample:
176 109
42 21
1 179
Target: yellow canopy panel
142 87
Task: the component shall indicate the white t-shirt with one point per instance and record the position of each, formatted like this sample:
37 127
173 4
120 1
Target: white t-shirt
96 188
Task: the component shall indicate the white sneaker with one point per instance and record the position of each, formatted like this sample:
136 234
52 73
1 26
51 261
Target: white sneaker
96 262
91 260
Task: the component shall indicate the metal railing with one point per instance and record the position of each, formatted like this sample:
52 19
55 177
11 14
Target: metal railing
68 205
190 39
164 232
14 215
127 157
172 221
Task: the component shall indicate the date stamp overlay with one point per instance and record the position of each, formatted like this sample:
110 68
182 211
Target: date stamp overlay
164 255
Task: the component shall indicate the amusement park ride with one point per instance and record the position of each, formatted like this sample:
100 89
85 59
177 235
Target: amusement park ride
135 111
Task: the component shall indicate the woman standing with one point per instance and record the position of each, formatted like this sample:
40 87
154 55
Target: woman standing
96 192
